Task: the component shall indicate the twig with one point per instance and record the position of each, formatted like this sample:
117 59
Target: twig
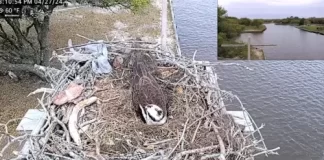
195 133
98 146
193 151
220 141
88 122
11 142
202 117
158 142
267 151
86 38
56 155
110 99
181 138
40 90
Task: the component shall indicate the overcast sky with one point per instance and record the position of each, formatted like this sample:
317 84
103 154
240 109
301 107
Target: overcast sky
273 8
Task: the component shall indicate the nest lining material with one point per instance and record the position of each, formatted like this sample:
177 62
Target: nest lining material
106 126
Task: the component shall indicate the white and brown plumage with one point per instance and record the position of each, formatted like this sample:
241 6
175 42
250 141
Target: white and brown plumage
147 96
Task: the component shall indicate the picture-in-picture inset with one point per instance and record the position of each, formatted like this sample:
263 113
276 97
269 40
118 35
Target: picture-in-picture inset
266 30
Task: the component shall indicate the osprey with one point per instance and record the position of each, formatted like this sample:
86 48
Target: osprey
147 96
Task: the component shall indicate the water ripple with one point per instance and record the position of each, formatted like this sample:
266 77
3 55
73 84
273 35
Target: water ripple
197 27
288 97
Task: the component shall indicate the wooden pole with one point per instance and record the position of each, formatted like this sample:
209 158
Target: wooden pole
249 48
164 24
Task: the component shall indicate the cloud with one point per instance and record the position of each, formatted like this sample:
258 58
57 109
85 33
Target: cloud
270 2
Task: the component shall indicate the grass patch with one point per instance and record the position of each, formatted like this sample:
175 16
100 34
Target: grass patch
239 53
253 29
232 52
315 28
95 23
91 23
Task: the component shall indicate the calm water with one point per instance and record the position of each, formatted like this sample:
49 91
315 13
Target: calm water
288 97
197 27
292 43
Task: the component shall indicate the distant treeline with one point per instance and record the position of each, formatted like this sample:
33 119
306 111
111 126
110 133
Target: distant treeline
229 28
246 21
296 20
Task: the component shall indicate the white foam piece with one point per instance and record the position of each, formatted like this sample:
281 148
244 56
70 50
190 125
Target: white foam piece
242 118
32 122
32 118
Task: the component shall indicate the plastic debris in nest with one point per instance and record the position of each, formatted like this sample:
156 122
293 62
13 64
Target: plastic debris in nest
69 94
96 53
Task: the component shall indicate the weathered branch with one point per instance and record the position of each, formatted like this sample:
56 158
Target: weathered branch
5 36
37 24
5 67
15 25
21 37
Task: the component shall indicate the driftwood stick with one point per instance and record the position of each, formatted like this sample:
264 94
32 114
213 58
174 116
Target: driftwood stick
40 90
74 119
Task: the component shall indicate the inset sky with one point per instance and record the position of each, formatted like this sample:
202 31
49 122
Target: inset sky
273 8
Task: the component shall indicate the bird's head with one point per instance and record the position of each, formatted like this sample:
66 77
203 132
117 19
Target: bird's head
153 114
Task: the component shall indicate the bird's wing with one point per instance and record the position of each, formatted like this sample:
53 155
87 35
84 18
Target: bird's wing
145 89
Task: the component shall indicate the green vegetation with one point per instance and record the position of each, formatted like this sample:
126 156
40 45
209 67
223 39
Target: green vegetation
254 29
315 25
304 21
296 21
229 28
232 52
252 26
251 23
313 28
139 4
134 5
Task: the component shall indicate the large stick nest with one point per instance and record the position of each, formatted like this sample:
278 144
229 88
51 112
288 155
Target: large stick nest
108 128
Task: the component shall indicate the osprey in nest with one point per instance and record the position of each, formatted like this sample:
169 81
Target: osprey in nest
147 96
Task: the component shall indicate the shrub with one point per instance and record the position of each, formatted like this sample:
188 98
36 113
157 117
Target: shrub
138 4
